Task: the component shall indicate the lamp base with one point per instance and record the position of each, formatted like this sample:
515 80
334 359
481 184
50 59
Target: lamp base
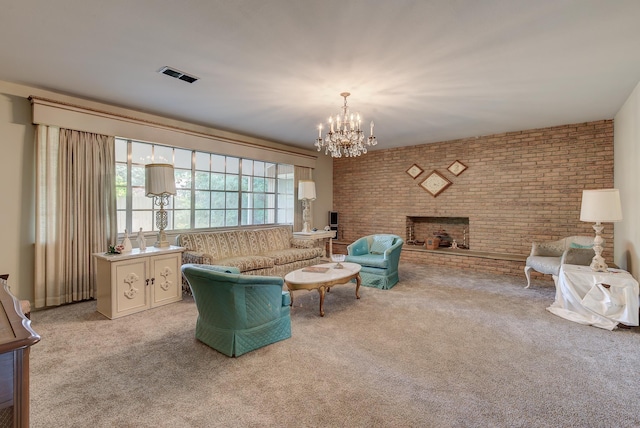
597 263
306 228
162 240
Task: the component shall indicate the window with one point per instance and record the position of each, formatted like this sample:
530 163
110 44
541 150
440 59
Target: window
211 190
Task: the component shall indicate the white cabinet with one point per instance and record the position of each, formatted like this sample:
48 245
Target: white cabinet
138 280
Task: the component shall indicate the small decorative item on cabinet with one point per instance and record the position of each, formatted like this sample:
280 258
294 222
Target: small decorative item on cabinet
126 243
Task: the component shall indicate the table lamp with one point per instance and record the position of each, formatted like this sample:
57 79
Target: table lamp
160 183
306 194
600 206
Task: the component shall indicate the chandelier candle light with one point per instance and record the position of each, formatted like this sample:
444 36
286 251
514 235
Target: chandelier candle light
160 183
306 194
600 206
345 138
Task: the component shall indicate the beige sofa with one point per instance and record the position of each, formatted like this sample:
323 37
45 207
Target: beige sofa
270 251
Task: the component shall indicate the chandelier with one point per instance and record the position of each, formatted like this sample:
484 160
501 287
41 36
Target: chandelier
345 138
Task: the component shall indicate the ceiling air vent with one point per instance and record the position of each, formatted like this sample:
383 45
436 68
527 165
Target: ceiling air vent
177 74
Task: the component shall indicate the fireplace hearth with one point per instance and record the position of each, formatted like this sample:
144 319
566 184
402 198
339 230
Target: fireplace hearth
421 228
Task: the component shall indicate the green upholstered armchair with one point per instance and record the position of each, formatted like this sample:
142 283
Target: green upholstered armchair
238 313
379 256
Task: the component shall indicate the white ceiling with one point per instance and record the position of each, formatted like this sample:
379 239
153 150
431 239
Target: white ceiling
424 71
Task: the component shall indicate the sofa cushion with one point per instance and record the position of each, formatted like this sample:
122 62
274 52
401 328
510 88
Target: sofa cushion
371 260
580 246
264 240
544 264
381 243
247 263
220 245
290 255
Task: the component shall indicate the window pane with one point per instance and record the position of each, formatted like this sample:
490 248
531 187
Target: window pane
182 219
202 219
121 150
139 200
122 222
182 159
247 167
270 201
246 197
202 180
258 185
217 218
137 175
163 154
182 199
270 170
246 217
217 200
231 182
231 218
246 183
258 200
258 217
258 169
270 184
183 178
217 181
142 219
217 163
203 200
270 216
233 165
232 200
121 175
202 161
121 198
141 152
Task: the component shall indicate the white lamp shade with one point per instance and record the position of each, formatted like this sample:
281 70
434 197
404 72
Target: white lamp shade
306 190
159 179
601 205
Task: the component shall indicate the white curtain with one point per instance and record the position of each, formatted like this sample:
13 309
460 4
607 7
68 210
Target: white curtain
299 173
75 212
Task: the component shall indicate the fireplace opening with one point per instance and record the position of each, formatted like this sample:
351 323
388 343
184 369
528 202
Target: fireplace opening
451 232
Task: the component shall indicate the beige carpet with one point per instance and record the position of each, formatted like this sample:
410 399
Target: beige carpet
444 348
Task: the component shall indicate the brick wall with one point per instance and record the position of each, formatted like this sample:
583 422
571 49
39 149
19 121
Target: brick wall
518 186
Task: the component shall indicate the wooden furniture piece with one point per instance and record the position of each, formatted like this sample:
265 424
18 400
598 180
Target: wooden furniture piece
320 237
16 338
322 277
138 280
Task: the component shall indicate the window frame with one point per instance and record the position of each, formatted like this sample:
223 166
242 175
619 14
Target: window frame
128 186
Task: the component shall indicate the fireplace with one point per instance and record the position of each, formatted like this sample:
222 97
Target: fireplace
419 229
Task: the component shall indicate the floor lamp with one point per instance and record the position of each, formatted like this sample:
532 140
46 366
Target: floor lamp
160 183
306 194
600 206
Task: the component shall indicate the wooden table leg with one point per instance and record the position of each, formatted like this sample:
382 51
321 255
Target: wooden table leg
358 286
290 296
321 291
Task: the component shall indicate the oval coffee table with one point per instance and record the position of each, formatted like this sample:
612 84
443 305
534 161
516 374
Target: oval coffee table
322 277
